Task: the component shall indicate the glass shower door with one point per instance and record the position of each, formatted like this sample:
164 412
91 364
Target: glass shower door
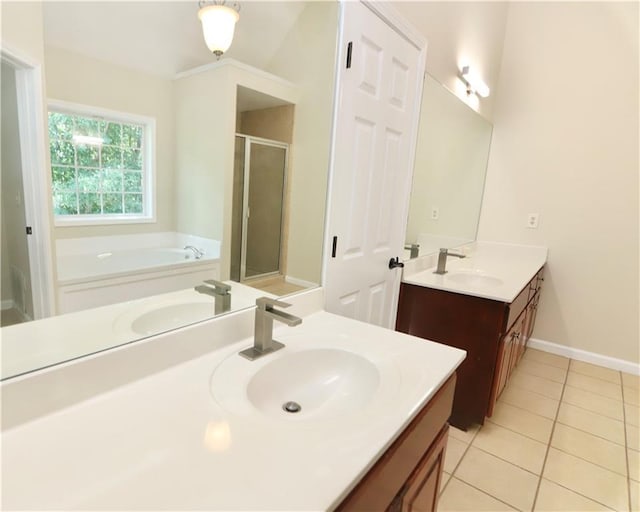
262 183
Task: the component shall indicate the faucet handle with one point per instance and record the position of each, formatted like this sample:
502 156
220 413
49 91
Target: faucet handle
265 302
219 286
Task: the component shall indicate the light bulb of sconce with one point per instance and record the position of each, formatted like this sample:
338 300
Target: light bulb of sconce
474 82
217 436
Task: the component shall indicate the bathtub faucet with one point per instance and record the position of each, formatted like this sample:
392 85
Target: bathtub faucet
198 253
220 293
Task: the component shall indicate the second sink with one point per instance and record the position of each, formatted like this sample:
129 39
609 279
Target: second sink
473 278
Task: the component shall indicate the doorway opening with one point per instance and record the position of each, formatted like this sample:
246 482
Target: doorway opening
26 265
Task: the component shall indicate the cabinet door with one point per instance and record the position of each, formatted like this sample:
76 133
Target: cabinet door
504 362
518 340
531 318
423 486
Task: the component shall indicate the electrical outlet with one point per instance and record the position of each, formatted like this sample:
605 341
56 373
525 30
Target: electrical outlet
532 220
435 213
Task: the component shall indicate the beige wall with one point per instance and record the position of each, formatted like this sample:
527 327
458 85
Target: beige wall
205 125
274 123
78 79
565 145
307 58
22 29
457 31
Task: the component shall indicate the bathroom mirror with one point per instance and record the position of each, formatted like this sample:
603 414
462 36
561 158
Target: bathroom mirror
449 173
150 60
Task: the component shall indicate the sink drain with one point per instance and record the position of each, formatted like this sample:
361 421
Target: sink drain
292 407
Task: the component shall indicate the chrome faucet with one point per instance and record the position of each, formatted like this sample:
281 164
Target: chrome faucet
263 342
198 253
414 250
220 293
442 260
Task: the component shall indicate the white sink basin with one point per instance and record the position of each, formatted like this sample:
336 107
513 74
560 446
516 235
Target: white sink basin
325 382
473 278
171 316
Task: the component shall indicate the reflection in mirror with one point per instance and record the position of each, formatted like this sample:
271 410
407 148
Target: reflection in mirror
209 216
448 181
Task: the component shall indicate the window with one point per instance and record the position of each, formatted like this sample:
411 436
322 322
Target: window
101 168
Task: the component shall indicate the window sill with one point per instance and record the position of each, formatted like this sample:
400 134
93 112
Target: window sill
61 222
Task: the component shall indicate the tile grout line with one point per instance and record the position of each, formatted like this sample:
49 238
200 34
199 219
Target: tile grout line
591 433
556 448
529 410
455 468
485 493
516 432
553 428
519 386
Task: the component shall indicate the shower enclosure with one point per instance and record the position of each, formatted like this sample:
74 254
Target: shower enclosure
258 207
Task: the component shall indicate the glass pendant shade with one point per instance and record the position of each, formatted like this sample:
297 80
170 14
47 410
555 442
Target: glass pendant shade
218 24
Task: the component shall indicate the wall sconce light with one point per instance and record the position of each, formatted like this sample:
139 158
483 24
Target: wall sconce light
474 83
218 24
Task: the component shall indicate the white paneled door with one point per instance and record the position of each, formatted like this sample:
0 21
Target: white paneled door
378 103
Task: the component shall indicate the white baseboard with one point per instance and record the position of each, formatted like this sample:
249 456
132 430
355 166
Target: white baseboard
300 282
587 357
6 304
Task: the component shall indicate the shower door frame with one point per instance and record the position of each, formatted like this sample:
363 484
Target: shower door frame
248 140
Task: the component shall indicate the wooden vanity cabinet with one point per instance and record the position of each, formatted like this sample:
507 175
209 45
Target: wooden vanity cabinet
407 476
493 333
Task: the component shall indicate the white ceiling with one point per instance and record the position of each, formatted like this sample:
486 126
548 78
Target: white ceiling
164 38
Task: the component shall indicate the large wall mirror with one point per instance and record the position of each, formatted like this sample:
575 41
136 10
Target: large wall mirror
449 173
240 164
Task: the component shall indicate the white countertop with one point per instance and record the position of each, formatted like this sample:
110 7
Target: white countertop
163 442
507 268
34 345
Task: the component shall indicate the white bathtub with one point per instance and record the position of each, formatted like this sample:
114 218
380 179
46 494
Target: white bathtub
97 271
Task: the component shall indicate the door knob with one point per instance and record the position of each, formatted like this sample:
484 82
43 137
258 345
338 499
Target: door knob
395 263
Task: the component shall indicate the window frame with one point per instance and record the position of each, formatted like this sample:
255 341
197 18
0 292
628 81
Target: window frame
148 214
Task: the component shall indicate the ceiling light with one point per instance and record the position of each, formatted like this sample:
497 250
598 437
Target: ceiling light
474 83
88 140
218 23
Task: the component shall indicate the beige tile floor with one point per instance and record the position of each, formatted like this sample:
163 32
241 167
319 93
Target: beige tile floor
275 285
564 437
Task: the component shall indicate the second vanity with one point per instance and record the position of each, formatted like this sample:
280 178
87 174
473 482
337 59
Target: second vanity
485 304
181 421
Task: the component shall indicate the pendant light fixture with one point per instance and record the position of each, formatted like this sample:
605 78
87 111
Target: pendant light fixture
218 19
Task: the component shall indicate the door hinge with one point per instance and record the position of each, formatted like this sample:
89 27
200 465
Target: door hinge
334 246
29 230
349 52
